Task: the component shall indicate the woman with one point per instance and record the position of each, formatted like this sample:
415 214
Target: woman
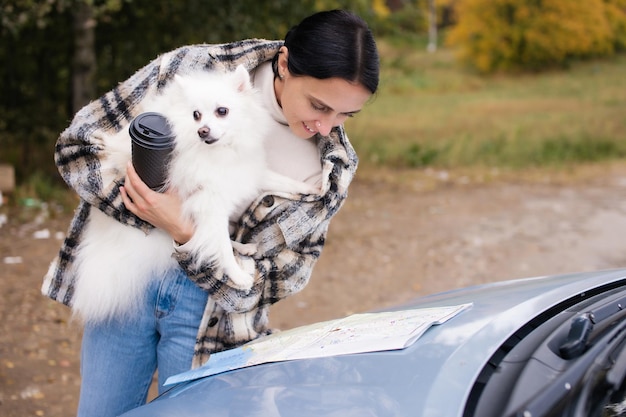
325 71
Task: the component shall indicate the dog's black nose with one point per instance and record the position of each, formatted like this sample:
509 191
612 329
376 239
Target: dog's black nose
204 132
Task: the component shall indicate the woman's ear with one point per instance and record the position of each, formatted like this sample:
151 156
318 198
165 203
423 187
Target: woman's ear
283 56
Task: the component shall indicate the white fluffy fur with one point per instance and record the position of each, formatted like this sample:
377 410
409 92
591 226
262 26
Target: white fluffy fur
115 262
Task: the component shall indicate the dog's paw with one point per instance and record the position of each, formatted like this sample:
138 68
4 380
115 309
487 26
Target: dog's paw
241 279
247 249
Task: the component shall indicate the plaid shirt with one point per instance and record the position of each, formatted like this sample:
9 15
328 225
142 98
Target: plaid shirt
289 230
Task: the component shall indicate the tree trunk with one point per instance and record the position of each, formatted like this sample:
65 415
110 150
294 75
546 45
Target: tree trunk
432 26
84 60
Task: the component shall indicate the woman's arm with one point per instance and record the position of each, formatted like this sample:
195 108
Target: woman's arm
81 150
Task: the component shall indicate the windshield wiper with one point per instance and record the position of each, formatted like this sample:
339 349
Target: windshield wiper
597 358
578 336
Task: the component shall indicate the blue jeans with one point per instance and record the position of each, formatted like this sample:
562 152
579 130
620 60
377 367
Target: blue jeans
118 358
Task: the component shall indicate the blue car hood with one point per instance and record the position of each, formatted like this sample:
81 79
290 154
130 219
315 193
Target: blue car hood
432 377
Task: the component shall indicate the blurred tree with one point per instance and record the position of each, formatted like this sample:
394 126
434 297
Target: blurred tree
411 18
35 41
84 62
432 26
38 96
616 15
514 35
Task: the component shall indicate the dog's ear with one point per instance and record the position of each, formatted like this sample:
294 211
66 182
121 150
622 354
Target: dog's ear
242 78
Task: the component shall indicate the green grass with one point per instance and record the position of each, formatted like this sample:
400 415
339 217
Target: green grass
431 112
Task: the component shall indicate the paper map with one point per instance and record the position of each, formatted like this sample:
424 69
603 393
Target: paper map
358 333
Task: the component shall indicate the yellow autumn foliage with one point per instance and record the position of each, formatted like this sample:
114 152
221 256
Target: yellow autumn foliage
616 14
513 35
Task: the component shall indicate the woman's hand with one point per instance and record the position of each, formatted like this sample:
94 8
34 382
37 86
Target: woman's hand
162 210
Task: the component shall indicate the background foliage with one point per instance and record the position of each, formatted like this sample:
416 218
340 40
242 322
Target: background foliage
40 40
495 35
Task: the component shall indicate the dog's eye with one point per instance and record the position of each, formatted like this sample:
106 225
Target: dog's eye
221 111
197 115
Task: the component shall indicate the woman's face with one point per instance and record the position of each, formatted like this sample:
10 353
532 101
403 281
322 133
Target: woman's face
312 105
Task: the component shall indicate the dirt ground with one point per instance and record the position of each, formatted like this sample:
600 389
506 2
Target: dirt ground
400 235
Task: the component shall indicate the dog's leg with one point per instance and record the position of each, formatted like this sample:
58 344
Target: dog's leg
237 275
211 242
245 248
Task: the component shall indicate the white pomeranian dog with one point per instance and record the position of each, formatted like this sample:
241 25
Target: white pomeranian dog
217 167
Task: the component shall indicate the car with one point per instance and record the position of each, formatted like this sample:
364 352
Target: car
542 346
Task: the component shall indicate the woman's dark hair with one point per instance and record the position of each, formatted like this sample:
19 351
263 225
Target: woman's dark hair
333 43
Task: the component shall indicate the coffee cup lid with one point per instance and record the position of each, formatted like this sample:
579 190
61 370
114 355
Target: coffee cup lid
151 127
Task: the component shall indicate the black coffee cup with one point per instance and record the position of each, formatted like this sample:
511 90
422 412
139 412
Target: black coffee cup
152 144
